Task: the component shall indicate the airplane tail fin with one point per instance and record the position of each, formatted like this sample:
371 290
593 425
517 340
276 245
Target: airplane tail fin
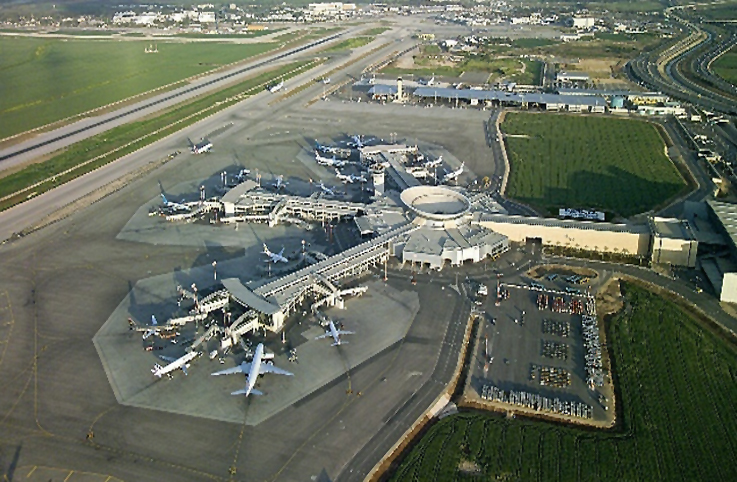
245 390
155 370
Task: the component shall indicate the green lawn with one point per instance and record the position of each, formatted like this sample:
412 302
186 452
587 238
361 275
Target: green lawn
575 161
45 80
351 43
678 384
726 66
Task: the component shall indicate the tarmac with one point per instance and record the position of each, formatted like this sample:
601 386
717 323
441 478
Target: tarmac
59 286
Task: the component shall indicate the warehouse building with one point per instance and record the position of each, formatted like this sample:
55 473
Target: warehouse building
673 242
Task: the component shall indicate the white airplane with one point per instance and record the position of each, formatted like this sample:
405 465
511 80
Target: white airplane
431 82
175 206
276 88
181 363
326 149
203 146
326 189
275 257
148 330
335 333
358 141
253 370
328 161
280 183
350 178
326 80
433 164
453 175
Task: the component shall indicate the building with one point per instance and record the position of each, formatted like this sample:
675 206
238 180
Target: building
583 23
673 242
571 77
723 275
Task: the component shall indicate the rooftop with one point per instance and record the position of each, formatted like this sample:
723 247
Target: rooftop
436 202
567 223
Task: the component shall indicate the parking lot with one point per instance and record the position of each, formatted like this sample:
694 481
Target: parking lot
532 348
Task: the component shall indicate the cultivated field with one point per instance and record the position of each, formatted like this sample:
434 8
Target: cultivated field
45 80
677 422
616 165
726 66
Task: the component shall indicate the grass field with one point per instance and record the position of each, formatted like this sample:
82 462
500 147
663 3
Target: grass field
616 165
45 80
678 423
351 43
104 148
726 66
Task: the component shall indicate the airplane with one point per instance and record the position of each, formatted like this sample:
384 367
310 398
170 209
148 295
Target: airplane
148 330
253 370
280 183
453 175
181 363
326 189
335 333
174 206
276 88
326 149
432 164
326 80
358 142
327 161
350 178
203 146
275 257
242 175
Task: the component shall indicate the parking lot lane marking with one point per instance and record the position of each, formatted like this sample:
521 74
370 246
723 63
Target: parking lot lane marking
32 471
69 475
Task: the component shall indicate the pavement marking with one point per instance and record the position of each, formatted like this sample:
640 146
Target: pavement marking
67 477
32 471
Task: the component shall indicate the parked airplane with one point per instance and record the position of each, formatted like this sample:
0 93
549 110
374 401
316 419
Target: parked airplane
148 330
335 333
327 161
358 141
276 88
326 189
275 257
280 183
174 206
453 175
181 363
350 178
201 147
326 80
433 164
252 371
326 149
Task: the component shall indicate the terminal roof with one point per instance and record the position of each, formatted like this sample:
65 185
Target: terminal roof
727 215
248 298
567 223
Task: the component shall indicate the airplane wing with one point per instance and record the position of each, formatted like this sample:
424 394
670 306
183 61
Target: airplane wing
243 392
169 359
272 369
242 368
323 336
343 332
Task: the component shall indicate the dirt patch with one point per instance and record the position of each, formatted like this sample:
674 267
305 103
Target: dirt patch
407 61
609 298
561 270
467 467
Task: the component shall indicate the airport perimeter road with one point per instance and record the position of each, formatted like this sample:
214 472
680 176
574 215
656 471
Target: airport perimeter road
59 138
398 422
256 110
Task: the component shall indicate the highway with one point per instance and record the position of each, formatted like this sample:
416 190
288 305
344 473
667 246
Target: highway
64 136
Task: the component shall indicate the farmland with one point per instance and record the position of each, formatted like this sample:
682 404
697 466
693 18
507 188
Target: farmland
726 66
677 384
46 80
616 165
